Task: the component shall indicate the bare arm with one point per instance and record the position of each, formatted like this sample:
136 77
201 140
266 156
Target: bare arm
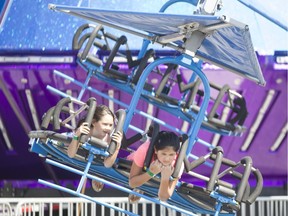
74 145
138 177
72 148
167 186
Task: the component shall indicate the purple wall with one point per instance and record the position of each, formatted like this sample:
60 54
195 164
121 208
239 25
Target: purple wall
21 164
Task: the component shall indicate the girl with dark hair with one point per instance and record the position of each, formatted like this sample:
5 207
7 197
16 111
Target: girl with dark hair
166 147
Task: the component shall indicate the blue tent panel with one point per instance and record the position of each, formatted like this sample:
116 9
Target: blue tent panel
226 42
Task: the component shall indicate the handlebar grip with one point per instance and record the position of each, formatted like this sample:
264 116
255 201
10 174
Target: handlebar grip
120 41
258 188
218 151
75 44
57 111
142 65
121 116
89 117
90 42
83 39
247 161
48 115
180 159
47 118
153 130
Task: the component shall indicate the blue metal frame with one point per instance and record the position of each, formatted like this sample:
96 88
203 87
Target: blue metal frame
223 31
182 60
171 2
185 61
178 203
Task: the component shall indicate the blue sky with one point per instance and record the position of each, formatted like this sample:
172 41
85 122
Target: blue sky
266 36
31 25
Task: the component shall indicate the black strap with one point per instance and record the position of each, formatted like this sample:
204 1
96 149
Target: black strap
150 151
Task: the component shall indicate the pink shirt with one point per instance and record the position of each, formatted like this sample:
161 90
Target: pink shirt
140 154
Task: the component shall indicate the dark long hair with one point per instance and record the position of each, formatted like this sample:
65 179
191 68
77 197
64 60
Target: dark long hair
167 139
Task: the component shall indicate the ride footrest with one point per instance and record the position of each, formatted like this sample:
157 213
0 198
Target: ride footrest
225 198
